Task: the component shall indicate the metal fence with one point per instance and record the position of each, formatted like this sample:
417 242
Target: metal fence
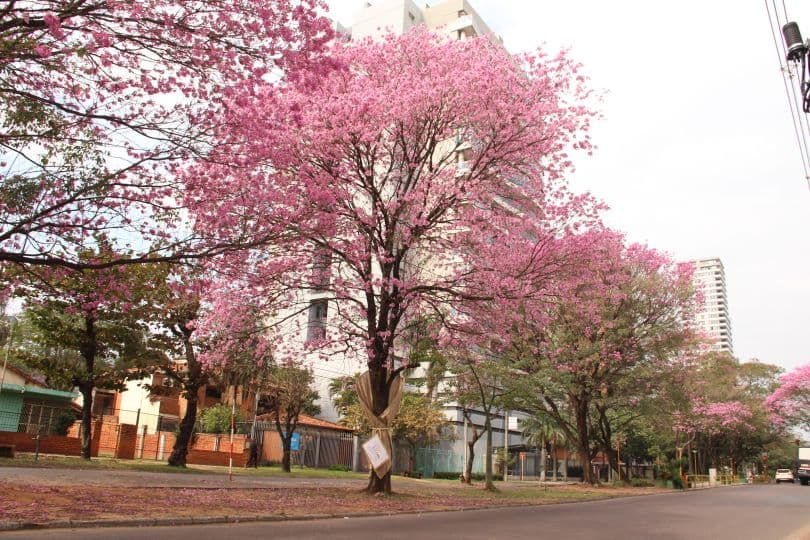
36 419
320 449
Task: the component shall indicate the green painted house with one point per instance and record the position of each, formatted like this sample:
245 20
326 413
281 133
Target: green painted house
27 405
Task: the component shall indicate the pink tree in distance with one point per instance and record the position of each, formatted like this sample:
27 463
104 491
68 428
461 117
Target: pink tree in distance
790 402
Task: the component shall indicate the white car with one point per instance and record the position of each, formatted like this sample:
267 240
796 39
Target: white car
784 475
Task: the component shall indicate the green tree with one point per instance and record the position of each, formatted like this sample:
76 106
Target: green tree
288 392
97 320
175 312
419 422
343 394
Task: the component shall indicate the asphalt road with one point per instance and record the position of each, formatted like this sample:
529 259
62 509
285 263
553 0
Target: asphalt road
744 512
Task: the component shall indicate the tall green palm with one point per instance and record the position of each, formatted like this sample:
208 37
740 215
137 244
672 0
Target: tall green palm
538 431
343 393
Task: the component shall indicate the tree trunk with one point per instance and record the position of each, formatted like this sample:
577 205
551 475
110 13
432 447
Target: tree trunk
469 465
287 455
183 441
88 351
488 458
86 390
380 387
192 381
583 442
379 485
565 465
543 459
554 459
613 461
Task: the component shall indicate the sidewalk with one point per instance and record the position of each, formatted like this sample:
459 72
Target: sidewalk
32 497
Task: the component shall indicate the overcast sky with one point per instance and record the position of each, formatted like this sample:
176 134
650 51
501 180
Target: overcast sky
697 154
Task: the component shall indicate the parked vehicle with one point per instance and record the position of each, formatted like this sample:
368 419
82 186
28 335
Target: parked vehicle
784 475
804 466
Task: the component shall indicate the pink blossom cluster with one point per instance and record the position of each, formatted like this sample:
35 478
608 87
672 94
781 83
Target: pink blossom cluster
789 404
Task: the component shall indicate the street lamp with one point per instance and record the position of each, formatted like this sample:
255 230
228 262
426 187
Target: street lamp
797 51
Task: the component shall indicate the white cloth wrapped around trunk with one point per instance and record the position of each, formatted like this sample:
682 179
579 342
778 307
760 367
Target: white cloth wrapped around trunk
381 425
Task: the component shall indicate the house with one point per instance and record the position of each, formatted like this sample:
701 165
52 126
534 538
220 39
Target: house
28 405
33 417
319 443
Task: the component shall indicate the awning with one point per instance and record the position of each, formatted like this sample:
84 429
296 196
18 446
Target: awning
39 392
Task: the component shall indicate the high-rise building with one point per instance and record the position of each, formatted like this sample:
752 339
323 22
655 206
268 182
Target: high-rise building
712 317
455 17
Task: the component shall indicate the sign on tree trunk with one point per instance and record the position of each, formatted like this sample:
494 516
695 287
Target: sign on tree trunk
376 453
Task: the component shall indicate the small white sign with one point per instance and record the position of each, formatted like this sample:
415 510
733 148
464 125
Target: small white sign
513 423
376 452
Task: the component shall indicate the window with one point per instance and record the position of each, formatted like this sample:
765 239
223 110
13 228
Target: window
316 324
41 418
321 271
213 392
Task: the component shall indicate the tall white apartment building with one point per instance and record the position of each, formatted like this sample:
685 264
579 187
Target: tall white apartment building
457 20
712 317
454 18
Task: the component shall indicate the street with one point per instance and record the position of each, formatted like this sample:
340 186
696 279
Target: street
745 512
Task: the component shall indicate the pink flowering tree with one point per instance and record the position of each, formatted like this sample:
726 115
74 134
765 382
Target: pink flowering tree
593 351
790 402
388 174
101 101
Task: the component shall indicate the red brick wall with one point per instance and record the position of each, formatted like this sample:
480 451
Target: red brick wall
127 437
122 441
151 445
197 457
48 444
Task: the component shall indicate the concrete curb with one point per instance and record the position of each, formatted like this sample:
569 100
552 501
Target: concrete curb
203 520
213 520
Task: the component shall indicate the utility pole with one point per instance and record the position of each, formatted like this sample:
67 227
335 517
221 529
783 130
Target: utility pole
464 464
12 323
506 446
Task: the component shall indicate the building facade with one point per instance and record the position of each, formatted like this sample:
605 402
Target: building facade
712 317
454 17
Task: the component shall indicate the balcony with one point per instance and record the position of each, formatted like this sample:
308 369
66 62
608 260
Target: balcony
465 26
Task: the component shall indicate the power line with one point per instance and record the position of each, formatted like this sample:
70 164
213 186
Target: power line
795 110
804 121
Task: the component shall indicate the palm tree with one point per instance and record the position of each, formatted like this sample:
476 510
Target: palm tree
539 430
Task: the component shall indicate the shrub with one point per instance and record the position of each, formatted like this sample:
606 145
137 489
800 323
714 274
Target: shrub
575 471
476 477
339 467
217 419
641 482
63 422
